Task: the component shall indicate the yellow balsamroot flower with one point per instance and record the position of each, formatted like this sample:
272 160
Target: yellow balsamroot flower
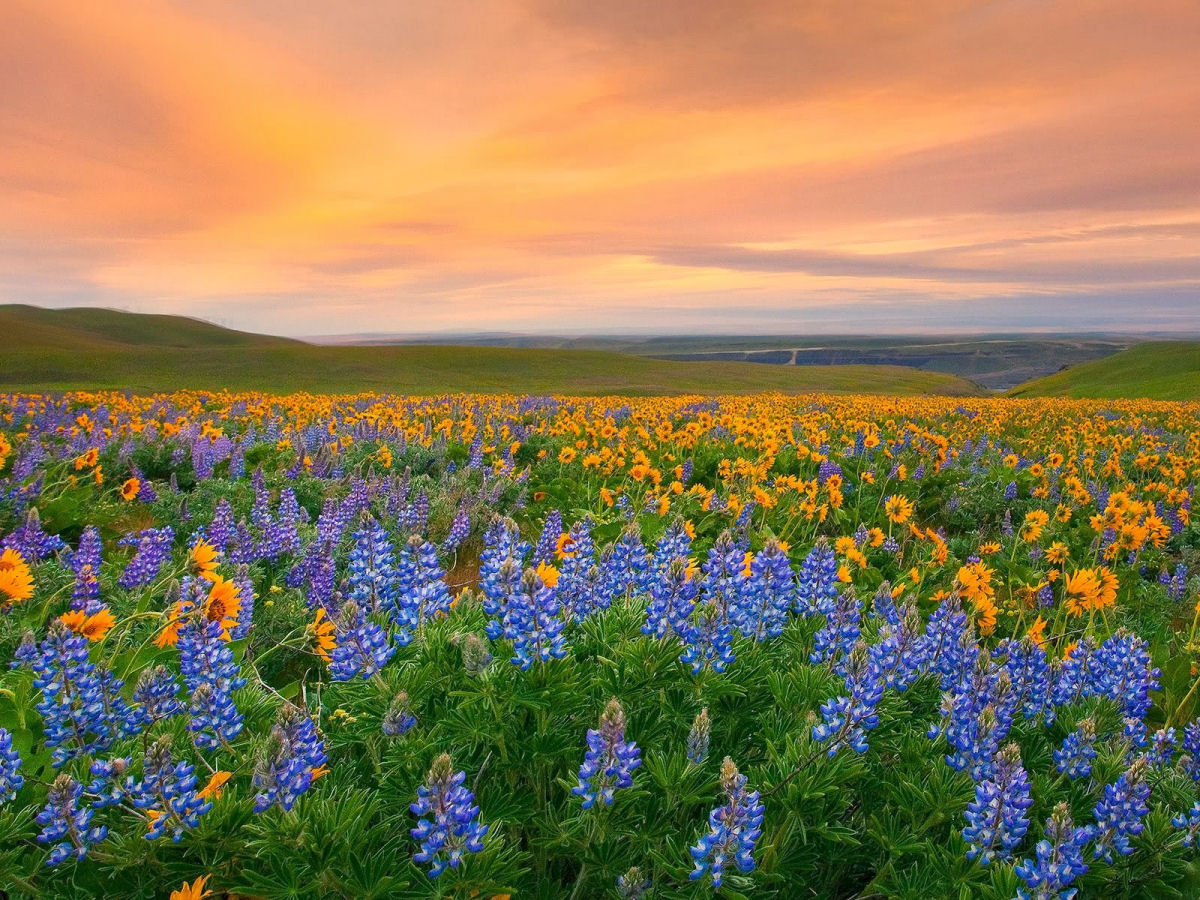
204 558
1037 632
548 574
222 605
899 508
321 630
87 460
1091 589
193 891
129 490
215 786
93 627
16 581
566 455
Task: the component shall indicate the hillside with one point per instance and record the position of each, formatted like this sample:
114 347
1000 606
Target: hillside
1160 370
86 349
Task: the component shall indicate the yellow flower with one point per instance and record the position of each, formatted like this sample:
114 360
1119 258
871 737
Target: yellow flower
16 581
215 786
899 508
93 627
193 891
548 574
322 631
204 557
130 489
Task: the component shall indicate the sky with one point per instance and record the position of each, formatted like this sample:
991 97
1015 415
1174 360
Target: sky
684 166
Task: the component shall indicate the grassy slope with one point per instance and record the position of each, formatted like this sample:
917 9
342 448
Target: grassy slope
89 349
1160 370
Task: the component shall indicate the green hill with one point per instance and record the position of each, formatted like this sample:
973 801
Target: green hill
82 349
1158 370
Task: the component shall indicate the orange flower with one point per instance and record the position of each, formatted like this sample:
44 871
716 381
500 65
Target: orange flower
1037 632
215 786
130 489
16 581
204 557
87 460
1091 589
93 627
548 574
193 891
322 631
899 508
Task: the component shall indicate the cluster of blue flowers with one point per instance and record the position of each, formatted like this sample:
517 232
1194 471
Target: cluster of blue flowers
447 826
734 829
294 756
610 760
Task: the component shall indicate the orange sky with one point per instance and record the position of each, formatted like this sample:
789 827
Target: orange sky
555 165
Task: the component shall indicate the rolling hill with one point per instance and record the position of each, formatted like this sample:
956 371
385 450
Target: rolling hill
1159 370
80 349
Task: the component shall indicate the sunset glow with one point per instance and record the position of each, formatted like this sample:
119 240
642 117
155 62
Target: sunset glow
562 165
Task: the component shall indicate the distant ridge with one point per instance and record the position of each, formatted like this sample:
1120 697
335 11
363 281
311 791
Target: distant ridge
85 349
1158 370
91 328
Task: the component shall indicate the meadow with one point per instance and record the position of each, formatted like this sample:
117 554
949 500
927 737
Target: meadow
767 645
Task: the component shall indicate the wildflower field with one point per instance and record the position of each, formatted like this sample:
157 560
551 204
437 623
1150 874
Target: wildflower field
488 646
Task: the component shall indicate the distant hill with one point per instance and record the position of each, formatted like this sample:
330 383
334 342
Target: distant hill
1160 370
81 349
85 328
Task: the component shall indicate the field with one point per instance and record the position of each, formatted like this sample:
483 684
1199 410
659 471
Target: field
86 349
1162 370
488 646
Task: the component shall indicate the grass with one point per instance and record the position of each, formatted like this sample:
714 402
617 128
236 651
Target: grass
1159 370
103 349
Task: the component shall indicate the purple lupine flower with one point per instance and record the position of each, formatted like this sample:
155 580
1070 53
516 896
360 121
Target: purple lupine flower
153 550
1190 761
625 569
1120 812
168 792
372 575
1074 758
1058 860
31 540
847 718
459 529
698 738
770 593
672 599
536 626
840 631
1189 824
11 779
398 720
362 646
156 694
734 828
1029 672
902 652
448 826
66 824
108 781
1122 671
818 581
709 634
286 769
998 817
1162 747
85 563
421 590
548 542
610 760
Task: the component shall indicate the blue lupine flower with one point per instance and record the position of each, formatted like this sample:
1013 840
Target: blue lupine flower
398 719
609 761
1189 823
1078 750
11 779
213 717
1120 812
818 581
847 718
1122 672
953 650
709 635
288 767
1162 747
673 545
447 827
153 550
1029 672
81 707
85 563
362 646
372 574
633 885
31 540
840 631
577 588
1191 747
903 650
1058 860
769 594
625 569
998 817
168 793
460 527
1010 491
65 823
108 784
421 587
977 720
698 738
536 626
547 544
502 544
672 599
734 828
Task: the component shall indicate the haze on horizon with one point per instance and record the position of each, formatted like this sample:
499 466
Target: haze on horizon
558 166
